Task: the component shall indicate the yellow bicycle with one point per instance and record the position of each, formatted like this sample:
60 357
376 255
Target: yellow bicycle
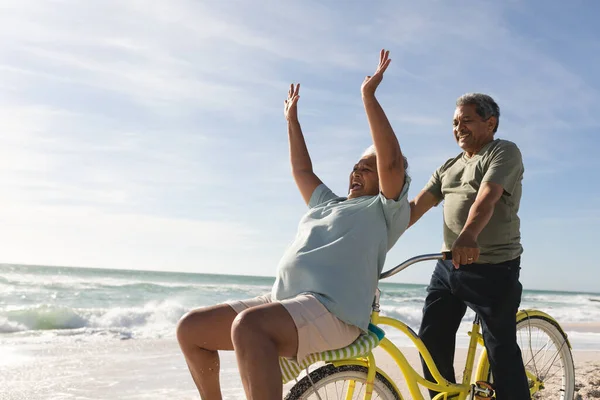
544 345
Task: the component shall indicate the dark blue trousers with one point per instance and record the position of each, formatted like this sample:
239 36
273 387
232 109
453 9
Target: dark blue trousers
493 291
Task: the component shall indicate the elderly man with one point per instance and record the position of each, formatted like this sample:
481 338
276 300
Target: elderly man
481 190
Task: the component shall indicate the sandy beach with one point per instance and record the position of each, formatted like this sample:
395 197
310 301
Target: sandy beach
155 369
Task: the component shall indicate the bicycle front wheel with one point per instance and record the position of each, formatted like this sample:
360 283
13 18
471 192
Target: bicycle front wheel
547 358
342 382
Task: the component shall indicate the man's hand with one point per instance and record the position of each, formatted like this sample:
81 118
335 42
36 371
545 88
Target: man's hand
465 250
371 82
290 109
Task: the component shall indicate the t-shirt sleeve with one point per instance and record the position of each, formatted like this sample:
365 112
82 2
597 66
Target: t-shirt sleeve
505 168
434 186
320 195
396 213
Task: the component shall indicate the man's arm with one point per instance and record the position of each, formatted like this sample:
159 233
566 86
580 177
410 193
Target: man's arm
302 170
502 176
465 249
390 162
420 205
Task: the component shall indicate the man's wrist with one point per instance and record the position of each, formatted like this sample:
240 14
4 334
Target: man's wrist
469 234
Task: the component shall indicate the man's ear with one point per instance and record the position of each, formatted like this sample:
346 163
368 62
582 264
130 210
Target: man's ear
491 123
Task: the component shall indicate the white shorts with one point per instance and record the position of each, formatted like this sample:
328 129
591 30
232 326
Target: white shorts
318 329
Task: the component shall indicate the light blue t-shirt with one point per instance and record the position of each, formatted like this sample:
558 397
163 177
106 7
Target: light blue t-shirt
340 249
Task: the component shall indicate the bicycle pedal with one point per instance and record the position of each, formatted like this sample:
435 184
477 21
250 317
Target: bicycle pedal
483 390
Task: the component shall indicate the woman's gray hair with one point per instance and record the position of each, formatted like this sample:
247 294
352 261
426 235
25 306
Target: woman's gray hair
370 151
485 106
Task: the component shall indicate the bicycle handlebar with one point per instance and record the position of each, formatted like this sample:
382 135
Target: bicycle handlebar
446 255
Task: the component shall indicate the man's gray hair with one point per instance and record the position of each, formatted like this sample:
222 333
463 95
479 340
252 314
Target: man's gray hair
485 106
370 151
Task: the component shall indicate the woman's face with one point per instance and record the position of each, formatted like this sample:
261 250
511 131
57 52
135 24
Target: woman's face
364 180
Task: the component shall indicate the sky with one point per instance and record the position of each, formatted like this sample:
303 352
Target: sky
150 135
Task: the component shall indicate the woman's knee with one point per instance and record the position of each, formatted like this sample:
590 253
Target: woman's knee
206 325
188 324
270 324
246 324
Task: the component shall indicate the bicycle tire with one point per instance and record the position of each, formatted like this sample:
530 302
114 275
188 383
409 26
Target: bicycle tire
561 369
326 379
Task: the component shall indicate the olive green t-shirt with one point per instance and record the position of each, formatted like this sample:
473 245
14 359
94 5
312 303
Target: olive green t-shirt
457 183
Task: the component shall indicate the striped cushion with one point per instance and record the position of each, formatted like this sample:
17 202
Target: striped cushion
366 342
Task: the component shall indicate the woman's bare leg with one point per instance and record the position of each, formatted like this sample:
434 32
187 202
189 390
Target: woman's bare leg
260 335
201 333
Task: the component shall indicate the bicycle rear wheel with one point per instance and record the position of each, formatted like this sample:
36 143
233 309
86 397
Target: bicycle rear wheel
342 382
547 358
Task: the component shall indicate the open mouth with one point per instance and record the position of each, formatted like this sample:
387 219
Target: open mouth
463 136
356 186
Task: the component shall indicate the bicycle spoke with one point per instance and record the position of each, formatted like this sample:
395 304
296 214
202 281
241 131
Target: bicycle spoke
545 376
546 365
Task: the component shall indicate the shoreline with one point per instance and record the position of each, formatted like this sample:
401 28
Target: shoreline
582 327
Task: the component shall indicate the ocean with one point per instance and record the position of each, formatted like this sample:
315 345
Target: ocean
66 308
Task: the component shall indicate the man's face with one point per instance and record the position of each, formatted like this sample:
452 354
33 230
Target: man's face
470 130
364 180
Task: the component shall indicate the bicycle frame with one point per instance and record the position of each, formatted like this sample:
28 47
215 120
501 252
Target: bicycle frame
412 378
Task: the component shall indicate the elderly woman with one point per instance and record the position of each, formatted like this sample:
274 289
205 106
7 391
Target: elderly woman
326 279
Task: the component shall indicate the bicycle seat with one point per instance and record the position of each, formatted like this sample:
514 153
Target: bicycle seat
364 343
